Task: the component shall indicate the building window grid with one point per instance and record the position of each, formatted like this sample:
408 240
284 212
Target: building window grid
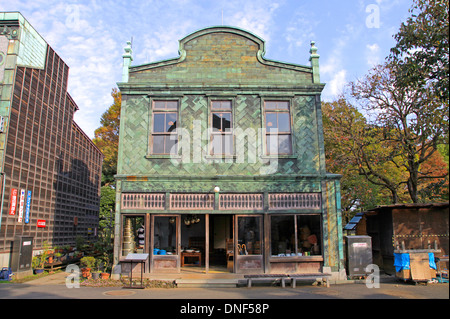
278 125
222 139
164 138
31 110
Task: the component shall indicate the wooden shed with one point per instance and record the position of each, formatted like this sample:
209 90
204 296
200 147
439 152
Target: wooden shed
403 226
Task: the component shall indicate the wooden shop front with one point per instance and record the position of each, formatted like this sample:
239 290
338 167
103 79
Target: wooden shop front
285 237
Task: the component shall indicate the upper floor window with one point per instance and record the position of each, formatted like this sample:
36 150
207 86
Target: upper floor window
164 128
222 128
278 128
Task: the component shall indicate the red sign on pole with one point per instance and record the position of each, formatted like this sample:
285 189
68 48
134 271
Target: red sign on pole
41 223
13 203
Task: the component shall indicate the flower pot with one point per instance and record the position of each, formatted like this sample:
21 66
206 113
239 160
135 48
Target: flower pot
86 272
104 275
95 275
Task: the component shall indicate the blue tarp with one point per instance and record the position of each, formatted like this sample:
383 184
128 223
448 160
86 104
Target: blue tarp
431 259
402 261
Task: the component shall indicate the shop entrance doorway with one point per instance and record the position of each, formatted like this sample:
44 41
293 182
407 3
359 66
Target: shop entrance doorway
207 243
221 249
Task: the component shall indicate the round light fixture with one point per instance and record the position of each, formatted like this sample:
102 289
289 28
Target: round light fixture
217 189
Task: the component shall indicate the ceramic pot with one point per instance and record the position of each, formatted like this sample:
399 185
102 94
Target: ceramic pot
104 275
95 275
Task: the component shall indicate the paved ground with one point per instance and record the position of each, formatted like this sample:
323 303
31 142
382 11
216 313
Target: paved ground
54 287
241 302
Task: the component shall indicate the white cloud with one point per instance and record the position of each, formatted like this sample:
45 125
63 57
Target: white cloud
161 43
256 17
337 83
300 31
372 54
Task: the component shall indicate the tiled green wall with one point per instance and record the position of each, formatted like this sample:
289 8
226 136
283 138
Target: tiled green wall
247 114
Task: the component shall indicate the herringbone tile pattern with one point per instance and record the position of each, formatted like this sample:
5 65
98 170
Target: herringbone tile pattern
247 116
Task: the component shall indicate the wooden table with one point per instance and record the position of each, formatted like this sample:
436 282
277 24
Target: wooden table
191 255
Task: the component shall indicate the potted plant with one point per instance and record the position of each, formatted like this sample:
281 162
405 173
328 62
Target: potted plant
96 273
87 263
106 266
37 264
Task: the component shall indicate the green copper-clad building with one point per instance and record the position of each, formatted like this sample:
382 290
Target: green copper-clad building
221 162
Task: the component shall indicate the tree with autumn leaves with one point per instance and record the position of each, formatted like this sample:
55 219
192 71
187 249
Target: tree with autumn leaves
107 137
376 165
388 134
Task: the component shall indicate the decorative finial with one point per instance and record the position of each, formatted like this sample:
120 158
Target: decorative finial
313 50
127 58
314 59
128 51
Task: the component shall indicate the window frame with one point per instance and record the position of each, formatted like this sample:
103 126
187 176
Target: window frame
267 133
212 133
152 134
296 234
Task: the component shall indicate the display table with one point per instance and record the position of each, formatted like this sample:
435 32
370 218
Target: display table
191 255
140 259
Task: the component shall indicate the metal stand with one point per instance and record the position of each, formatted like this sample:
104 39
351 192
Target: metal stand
137 258
438 263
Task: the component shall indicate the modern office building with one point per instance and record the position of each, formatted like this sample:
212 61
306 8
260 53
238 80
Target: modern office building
50 169
222 164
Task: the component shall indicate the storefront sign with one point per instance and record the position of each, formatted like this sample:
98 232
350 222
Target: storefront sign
13 204
27 208
41 223
21 204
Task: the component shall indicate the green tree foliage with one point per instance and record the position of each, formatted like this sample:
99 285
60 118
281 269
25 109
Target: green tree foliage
107 138
107 209
422 50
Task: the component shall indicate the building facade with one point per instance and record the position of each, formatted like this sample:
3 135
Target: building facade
221 161
50 169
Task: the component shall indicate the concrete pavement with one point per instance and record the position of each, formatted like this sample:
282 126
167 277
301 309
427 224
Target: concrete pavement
54 287
242 302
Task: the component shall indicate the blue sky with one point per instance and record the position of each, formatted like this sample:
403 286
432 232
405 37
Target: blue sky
352 36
